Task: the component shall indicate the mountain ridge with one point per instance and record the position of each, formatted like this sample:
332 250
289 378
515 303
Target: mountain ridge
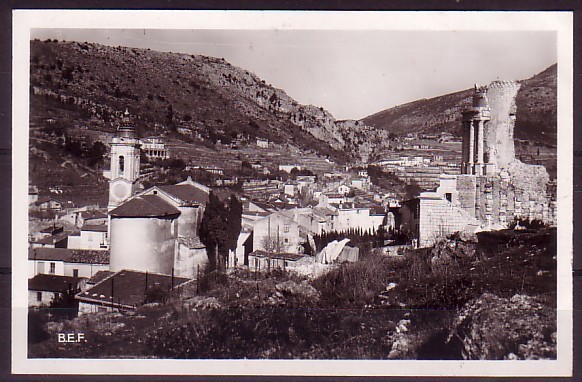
198 96
536 117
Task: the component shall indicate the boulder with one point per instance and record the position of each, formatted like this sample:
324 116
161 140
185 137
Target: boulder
447 251
289 291
495 328
204 303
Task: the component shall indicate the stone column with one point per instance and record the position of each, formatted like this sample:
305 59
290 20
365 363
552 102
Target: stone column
479 157
471 147
480 142
464 155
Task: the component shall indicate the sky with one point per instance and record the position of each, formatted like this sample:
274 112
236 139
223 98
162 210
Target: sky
352 74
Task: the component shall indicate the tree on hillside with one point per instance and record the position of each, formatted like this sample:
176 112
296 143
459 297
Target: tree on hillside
412 189
219 230
95 153
212 230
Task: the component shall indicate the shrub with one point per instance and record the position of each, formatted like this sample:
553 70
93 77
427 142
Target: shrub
210 279
37 327
273 333
156 293
355 284
534 224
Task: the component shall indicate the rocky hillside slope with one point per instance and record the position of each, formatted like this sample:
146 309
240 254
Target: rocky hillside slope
536 111
197 97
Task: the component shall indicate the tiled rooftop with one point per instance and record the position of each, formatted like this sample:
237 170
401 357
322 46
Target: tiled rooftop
54 238
52 283
94 227
186 193
128 288
84 256
145 206
282 256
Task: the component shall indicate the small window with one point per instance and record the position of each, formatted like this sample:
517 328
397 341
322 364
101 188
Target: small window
38 296
449 196
286 241
121 164
286 228
53 267
75 273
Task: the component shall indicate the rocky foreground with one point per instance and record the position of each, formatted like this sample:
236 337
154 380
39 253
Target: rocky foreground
486 297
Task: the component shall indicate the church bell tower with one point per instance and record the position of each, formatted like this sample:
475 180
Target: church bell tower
125 163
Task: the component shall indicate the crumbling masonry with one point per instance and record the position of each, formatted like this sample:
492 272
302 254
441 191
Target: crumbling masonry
494 187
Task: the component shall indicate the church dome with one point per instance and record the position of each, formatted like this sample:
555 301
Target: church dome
126 129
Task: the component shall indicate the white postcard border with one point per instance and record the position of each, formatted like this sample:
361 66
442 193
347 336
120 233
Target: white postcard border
25 20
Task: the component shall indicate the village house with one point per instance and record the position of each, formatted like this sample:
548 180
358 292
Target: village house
361 183
84 216
343 189
289 167
50 230
47 204
356 215
311 221
93 237
290 188
262 143
327 198
58 240
44 289
154 148
304 181
66 262
276 233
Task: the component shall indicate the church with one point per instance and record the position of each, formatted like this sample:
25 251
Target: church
153 233
153 230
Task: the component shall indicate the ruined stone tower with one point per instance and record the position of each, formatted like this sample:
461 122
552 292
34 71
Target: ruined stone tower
499 137
488 129
494 187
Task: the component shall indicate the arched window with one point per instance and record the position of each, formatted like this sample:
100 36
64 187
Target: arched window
121 164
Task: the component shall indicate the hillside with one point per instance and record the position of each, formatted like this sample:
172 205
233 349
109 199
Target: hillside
536 111
194 98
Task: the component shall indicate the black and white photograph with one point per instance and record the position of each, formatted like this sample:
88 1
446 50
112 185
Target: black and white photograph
278 193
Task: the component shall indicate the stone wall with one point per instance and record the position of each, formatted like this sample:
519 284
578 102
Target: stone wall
466 188
501 199
439 218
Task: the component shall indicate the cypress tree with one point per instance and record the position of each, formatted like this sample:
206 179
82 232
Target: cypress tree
212 231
